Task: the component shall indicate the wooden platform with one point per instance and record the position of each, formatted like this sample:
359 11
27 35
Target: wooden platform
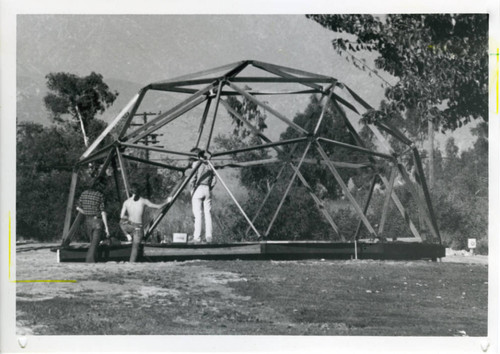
279 250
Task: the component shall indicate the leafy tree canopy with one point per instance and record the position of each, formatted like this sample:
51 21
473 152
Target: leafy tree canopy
441 61
80 97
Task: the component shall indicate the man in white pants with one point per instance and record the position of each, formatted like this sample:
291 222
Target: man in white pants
201 185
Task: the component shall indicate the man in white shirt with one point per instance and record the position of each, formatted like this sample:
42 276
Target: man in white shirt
131 218
201 185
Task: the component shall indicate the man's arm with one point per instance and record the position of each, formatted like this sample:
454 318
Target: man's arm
148 203
105 222
124 210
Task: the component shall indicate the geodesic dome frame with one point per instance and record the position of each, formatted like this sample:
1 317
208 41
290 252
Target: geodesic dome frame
210 87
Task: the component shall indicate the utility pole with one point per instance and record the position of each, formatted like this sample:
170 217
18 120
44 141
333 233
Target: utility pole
151 139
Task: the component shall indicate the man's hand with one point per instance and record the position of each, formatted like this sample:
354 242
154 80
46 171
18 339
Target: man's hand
107 233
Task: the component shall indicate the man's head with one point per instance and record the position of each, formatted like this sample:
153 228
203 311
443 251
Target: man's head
136 190
100 184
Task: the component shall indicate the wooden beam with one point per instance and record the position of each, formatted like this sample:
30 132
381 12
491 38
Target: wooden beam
133 111
267 108
345 189
385 208
425 188
153 163
358 98
203 120
319 203
266 197
292 70
202 73
292 180
174 195
98 155
301 177
272 69
243 120
249 79
402 210
217 100
345 103
419 200
372 127
367 205
394 132
357 148
162 120
109 128
259 147
173 110
322 115
69 205
234 199
152 148
253 92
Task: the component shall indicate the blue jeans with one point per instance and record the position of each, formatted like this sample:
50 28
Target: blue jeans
93 229
137 232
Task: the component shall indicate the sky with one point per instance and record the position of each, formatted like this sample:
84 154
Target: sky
147 48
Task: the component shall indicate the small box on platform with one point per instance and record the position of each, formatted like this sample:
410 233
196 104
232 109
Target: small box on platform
179 238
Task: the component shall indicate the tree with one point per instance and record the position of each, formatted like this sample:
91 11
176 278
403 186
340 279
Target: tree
332 127
80 97
441 61
45 158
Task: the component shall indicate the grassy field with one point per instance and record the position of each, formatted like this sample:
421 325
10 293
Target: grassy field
313 297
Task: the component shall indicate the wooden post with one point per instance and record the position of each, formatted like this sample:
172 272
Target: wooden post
69 205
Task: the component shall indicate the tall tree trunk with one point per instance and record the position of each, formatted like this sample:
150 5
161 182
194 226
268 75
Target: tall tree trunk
85 139
431 152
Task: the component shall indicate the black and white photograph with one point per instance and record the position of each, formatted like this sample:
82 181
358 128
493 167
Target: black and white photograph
227 181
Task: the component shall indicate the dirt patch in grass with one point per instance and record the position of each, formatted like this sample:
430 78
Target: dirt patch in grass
381 298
